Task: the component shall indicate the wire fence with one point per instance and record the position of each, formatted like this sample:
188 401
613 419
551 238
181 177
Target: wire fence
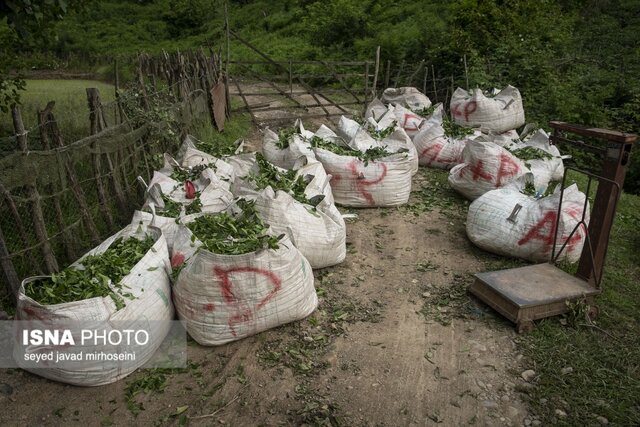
58 200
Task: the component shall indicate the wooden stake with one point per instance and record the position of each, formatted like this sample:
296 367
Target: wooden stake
466 71
13 283
375 75
38 217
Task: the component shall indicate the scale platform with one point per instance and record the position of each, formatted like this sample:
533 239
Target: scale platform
525 294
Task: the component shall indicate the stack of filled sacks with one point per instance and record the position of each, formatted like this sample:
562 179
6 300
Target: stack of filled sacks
366 172
517 221
235 277
122 284
284 148
487 165
298 203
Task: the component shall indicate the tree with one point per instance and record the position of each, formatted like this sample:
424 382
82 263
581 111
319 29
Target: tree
24 22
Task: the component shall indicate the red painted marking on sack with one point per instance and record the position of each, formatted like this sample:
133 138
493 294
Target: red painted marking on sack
431 153
209 307
361 183
508 168
177 260
539 232
32 314
407 117
469 108
335 178
244 314
479 172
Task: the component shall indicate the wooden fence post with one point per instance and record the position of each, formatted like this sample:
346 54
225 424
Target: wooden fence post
387 74
38 217
466 71
67 238
97 164
13 282
433 77
375 75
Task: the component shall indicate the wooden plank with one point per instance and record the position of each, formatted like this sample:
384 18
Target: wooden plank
609 135
219 95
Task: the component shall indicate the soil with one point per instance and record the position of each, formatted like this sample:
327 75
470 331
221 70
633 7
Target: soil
396 340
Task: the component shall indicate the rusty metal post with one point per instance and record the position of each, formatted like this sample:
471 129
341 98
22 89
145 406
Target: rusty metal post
614 168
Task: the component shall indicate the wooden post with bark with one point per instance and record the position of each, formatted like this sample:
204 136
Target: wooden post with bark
39 224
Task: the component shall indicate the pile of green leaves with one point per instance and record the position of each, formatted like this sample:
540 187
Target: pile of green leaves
287 181
372 154
531 153
383 133
172 208
189 174
72 284
217 148
222 233
284 136
425 112
453 130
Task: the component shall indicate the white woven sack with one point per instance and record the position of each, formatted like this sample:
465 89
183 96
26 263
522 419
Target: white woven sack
168 226
486 167
193 157
318 181
408 97
357 137
224 298
530 235
384 182
404 118
286 158
241 164
375 110
496 114
149 284
319 234
189 143
434 148
544 170
214 192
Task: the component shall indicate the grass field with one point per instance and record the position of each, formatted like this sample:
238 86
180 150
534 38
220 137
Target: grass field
71 110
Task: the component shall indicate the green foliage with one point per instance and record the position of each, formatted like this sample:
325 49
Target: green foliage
370 155
286 181
100 275
222 233
453 130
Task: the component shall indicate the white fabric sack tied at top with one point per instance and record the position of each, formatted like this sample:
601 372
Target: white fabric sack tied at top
530 232
383 182
298 146
359 137
486 166
544 170
150 301
408 97
434 148
499 113
319 233
224 298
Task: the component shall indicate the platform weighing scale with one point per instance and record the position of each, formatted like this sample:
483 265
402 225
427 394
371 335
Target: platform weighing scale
533 292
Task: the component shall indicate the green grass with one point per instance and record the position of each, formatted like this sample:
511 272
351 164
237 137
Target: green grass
71 110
